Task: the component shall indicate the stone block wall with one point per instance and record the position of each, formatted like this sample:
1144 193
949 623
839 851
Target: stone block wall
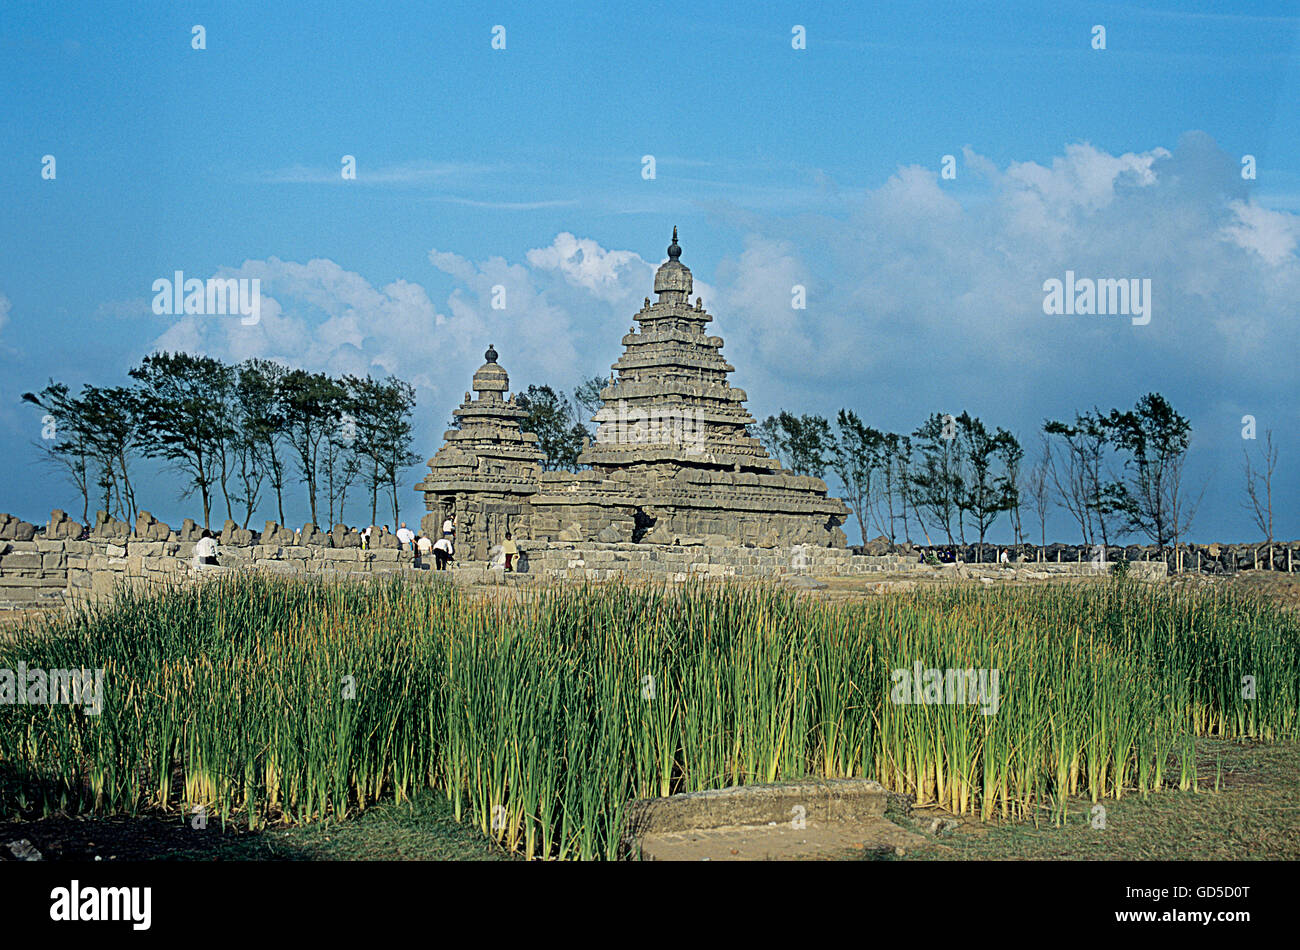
42 573
48 573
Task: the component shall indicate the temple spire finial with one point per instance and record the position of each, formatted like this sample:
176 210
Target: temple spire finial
674 251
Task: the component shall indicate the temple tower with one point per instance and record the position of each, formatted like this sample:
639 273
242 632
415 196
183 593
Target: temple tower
486 469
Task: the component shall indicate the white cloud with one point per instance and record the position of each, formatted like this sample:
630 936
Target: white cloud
1271 234
609 275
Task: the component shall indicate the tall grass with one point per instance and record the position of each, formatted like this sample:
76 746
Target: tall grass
279 699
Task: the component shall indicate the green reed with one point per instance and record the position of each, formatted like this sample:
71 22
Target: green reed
266 699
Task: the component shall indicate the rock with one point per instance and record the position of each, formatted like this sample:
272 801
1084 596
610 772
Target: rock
386 542
190 531
878 546
609 535
804 582
660 534
24 850
149 528
310 534
109 528
341 536
572 532
62 528
277 534
770 539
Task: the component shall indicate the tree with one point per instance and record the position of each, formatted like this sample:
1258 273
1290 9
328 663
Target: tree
397 406
587 395
1081 476
182 419
1156 439
768 433
111 418
855 456
937 482
808 441
1011 455
65 437
261 411
1259 486
1039 495
898 478
551 417
312 403
986 493
227 402
340 460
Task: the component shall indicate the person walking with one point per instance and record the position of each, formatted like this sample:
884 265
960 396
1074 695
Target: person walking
510 550
442 553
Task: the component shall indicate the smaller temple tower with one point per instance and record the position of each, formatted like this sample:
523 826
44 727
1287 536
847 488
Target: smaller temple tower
486 470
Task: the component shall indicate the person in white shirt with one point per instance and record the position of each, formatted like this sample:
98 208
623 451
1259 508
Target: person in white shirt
405 535
449 526
423 548
205 549
442 552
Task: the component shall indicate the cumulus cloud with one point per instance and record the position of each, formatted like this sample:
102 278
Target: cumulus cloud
608 275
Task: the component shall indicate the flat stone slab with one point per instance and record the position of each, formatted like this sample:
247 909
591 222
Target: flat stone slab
780 842
820 800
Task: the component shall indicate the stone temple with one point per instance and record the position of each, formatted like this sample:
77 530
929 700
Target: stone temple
672 461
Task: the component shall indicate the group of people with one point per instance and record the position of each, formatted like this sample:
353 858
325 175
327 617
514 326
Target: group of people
443 550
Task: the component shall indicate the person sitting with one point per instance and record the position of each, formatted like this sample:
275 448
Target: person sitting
510 550
205 549
442 553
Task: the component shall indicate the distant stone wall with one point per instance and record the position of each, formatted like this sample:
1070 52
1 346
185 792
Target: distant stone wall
49 573
42 573
595 561
1280 556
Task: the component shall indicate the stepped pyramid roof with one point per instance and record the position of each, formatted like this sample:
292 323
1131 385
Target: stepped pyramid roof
669 399
488 452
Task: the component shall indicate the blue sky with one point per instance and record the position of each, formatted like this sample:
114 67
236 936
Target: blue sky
522 168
